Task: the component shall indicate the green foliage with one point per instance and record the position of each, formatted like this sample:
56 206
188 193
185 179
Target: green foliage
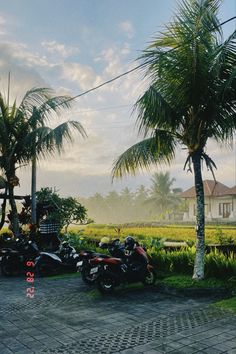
80 242
219 265
169 233
186 281
163 198
64 211
173 262
223 238
229 304
160 202
25 134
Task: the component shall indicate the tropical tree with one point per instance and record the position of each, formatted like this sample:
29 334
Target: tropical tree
64 211
162 196
25 135
190 99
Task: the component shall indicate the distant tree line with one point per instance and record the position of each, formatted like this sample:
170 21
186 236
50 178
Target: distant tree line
160 202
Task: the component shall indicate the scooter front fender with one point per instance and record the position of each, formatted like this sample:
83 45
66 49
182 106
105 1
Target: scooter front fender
107 273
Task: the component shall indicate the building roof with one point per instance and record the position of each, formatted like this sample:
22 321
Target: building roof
233 190
211 188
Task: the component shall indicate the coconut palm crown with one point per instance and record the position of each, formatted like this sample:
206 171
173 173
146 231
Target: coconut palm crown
24 133
190 99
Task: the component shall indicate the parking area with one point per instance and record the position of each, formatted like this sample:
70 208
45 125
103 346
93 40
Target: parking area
67 316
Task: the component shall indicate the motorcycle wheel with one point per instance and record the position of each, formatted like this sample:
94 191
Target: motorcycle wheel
9 270
41 270
150 278
87 277
106 285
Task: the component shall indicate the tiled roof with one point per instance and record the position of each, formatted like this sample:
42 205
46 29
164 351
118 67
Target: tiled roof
233 190
211 188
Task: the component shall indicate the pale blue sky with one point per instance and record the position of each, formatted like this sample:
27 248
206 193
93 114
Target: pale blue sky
73 45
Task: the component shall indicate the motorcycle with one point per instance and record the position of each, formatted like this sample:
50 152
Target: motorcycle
61 261
114 271
13 260
89 261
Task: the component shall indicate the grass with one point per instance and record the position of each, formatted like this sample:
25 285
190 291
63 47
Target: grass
186 281
228 304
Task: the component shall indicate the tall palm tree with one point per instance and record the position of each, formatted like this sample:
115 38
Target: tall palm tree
25 135
162 196
191 98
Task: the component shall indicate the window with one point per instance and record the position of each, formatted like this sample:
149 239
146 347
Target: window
225 209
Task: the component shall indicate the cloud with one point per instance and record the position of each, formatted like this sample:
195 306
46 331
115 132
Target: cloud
23 76
85 167
2 25
127 28
54 47
84 76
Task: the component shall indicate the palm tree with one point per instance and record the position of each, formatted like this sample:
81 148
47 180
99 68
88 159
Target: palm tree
191 98
162 196
25 135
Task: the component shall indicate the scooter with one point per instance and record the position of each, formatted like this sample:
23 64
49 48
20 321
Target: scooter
114 271
13 260
89 261
61 261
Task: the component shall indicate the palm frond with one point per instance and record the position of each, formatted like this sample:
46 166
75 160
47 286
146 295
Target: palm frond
159 148
154 112
34 97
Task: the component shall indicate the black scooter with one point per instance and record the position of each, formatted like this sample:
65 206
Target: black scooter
62 261
14 259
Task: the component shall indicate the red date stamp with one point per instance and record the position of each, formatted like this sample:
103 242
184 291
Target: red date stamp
30 280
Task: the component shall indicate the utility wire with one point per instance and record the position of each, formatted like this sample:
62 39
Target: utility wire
134 69
101 109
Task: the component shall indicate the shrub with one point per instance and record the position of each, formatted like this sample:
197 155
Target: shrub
223 239
219 265
173 262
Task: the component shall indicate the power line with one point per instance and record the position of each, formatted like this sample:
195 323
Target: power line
101 109
104 83
134 69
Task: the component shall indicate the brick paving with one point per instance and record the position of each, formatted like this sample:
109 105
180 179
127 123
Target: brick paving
68 317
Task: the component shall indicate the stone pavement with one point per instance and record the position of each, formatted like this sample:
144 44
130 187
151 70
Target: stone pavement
69 317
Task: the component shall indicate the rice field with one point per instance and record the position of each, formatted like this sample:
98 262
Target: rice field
169 233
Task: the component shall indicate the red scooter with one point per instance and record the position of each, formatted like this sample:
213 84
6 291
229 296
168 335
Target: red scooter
112 272
89 261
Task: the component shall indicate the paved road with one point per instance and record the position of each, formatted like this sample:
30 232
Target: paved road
68 317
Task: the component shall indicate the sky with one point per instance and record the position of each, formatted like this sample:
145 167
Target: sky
72 46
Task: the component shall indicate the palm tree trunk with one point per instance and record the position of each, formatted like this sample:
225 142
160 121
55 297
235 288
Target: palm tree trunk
3 216
15 221
200 218
33 191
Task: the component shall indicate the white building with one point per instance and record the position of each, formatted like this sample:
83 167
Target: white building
220 202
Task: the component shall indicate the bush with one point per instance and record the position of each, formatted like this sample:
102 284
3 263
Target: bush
173 262
219 265
223 239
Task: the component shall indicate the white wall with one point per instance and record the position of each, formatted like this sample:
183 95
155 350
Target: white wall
212 210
